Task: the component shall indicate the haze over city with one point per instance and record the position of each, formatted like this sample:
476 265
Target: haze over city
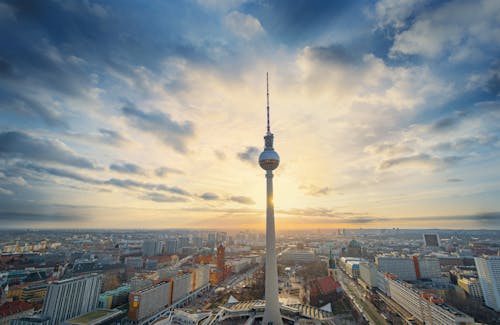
124 114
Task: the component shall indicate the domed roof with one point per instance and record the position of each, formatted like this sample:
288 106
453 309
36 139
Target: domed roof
354 244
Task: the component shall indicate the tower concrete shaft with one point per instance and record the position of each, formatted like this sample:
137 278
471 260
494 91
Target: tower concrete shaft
272 314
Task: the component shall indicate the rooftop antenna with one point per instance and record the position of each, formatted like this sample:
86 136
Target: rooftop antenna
267 83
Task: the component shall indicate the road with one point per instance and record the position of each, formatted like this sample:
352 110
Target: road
357 295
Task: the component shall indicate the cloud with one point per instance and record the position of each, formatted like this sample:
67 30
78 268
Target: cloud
242 200
164 171
169 132
220 155
420 160
445 124
250 155
4 191
16 217
459 29
128 183
15 144
162 198
120 183
209 196
335 54
454 180
295 22
314 190
111 137
395 13
127 168
243 25
29 106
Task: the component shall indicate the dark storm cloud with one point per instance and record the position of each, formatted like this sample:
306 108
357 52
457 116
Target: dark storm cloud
15 144
16 217
127 168
250 155
209 196
164 171
170 132
242 200
162 198
295 21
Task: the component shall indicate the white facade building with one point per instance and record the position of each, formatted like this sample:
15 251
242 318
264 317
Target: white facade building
488 271
66 299
368 274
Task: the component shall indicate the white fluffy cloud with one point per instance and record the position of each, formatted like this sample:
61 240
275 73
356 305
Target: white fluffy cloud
456 29
242 25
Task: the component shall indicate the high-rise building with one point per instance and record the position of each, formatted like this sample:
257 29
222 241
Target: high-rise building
431 240
171 246
149 247
66 299
269 161
488 271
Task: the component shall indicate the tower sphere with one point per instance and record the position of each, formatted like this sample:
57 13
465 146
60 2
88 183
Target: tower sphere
269 159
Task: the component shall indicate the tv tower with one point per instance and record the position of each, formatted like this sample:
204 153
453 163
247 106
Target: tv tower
269 161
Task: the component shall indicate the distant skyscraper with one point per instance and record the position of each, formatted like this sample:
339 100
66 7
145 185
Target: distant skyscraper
72 297
488 270
431 240
269 161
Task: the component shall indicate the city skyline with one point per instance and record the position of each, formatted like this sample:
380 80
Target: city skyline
128 115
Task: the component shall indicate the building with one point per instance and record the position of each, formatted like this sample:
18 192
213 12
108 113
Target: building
182 286
14 309
66 299
171 246
31 320
426 267
488 271
146 302
431 240
425 308
298 256
34 293
114 298
97 317
471 285
354 249
152 247
368 274
403 268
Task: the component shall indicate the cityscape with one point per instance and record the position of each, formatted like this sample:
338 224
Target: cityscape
135 187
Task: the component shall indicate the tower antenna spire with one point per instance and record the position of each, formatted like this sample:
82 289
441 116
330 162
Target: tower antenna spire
267 84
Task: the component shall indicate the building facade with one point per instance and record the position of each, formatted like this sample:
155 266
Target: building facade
488 271
66 299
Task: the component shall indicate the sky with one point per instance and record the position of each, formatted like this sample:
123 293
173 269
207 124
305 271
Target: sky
151 114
